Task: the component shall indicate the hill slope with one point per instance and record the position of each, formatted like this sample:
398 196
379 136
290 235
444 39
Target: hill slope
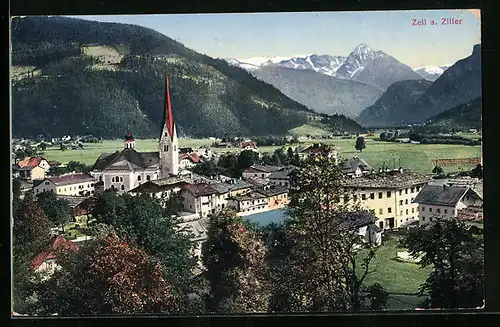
75 76
320 92
391 108
464 116
459 84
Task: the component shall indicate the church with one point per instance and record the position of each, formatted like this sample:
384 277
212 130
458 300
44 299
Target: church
129 168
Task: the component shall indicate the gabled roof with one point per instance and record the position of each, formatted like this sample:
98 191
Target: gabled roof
56 243
257 181
73 200
193 157
262 168
131 160
71 179
317 148
356 219
283 172
351 165
231 185
200 189
272 191
185 150
30 162
441 195
159 185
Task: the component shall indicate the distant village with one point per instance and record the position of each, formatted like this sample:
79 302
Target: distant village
395 198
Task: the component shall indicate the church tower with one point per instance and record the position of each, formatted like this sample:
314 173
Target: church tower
169 149
129 142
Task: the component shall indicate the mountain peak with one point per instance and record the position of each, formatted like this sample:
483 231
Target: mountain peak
362 48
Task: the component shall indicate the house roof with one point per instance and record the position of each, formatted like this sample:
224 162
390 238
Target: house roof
283 172
440 195
249 196
389 180
197 227
272 191
262 168
200 189
471 213
317 148
356 219
231 185
257 181
350 166
131 160
71 179
75 200
30 161
193 157
56 243
185 150
159 185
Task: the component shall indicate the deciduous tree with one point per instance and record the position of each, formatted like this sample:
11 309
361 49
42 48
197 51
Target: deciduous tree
360 144
57 210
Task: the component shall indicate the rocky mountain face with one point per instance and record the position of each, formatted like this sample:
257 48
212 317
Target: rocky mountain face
320 92
431 73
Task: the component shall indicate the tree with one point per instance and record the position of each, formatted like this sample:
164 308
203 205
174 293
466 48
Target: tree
383 136
16 188
289 154
234 257
437 170
319 248
31 234
267 159
57 210
108 276
477 172
143 221
360 144
456 255
246 159
229 164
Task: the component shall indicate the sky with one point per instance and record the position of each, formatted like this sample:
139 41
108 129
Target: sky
252 36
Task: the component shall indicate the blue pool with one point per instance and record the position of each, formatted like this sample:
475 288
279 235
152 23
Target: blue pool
264 218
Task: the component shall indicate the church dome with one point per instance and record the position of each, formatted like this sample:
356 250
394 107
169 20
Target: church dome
129 137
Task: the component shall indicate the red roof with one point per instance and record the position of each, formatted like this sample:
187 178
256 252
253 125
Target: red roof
71 179
169 117
191 156
30 162
200 189
56 243
250 144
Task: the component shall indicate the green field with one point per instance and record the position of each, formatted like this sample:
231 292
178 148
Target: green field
411 156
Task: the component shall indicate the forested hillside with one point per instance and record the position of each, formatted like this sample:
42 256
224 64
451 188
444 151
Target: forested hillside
73 76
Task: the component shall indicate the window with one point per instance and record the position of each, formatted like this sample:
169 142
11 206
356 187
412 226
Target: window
423 218
406 201
406 191
380 211
412 210
430 209
121 179
100 178
389 210
346 198
112 186
418 188
380 195
372 196
400 192
401 213
407 218
401 221
46 183
64 189
412 189
438 210
263 175
400 202
148 177
412 199
406 211
388 194
363 196
423 208
123 187
412 218
445 210
467 197
166 134
139 178
430 219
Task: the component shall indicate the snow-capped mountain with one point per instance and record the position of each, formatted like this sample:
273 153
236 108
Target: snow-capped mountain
431 72
355 62
242 64
324 64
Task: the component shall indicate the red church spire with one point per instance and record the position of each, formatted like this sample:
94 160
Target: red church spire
169 118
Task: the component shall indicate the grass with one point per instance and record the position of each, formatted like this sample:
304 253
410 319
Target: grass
308 129
395 276
412 156
74 231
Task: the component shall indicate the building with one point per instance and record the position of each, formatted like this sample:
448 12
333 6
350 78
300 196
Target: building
444 201
389 195
364 222
129 168
45 261
205 153
283 177
356 167
79 184
80 205
249 203
318 149
28 172
161 187
276 196
199 199
188 160
261 171
34 162
197 230
227 189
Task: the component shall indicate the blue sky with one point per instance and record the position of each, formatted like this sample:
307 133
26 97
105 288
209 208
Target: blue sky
243 36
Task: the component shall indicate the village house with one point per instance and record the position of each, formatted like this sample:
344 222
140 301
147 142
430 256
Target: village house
284 177
80 205
276 196
248 145
261 171
79 184
355 167
28 173
227 189
249 203
364 222
44 263
199 199
318 149
444 201
188 160
160 188
197 229
128 169
34 162
205 153
389 195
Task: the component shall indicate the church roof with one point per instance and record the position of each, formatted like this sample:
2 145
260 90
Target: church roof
169 117
128 159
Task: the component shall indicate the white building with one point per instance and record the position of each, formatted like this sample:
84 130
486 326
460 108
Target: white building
70 184
444 201
199 199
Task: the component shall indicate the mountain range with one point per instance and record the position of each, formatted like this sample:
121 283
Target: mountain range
464 116
77 76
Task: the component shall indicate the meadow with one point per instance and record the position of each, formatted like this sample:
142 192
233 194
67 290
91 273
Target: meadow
412 156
